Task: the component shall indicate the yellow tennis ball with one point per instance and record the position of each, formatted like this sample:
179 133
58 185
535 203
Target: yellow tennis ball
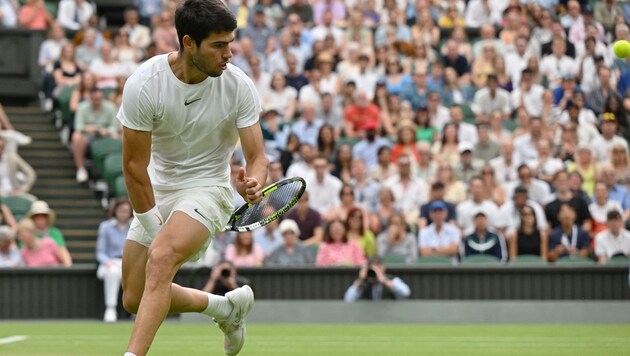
622 49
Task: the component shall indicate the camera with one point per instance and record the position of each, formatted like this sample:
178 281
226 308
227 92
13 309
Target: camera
371 276
226 273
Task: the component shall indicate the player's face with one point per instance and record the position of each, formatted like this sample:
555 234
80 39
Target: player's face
213 53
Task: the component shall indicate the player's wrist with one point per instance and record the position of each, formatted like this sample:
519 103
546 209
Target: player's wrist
151 220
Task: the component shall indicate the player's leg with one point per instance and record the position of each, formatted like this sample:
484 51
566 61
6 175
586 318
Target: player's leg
180 238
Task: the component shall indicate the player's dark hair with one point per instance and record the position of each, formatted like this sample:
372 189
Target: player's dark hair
200 18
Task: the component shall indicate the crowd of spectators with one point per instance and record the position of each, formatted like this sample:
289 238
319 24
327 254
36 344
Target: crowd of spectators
444 128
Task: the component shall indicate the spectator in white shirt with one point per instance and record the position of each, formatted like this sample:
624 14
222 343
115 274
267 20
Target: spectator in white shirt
479 12
439 238
528 94
603 144
465 132
510 211
555 65
525 145
476 201
505 165
307 126
518 60
538 190
546 165
489 99
74 14
614 241
323 187
409 193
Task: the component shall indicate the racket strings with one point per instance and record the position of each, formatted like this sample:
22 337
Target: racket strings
270 204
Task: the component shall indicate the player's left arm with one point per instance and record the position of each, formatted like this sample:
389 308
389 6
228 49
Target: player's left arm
255 175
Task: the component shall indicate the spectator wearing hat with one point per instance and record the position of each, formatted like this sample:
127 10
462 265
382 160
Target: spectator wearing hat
291 252
482 241
568 238
614 241
9 253
43 218
489 99
112 234
439 238
603 144
436 193
39 252
486 148
468 166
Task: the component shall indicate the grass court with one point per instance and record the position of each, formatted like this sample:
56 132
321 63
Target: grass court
175 338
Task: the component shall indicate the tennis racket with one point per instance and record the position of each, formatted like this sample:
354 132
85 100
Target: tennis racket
277 199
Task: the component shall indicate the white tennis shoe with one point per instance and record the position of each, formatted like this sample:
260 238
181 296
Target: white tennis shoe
242 300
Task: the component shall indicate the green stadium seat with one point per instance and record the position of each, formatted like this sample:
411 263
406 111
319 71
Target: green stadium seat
392 259
18 205
441 260
100 148
528 259
313 249
120 187
63 100
112 168
619 260
480 259
567 260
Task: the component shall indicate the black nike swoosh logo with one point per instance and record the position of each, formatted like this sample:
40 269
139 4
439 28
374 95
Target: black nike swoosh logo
203 216
186 102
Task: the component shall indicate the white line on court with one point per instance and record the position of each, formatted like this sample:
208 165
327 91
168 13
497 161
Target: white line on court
12 339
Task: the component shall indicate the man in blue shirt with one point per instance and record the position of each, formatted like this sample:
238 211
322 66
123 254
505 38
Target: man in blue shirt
568 239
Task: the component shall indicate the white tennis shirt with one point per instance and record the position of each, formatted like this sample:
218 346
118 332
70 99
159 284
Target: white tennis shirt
194 126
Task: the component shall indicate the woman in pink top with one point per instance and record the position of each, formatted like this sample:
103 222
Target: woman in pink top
37 252
337 250
244 252
34 15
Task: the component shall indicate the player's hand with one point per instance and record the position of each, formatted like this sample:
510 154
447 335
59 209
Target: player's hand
248 187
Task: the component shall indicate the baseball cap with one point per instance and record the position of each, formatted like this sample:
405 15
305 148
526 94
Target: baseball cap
465 146
609 117
259 9
289 225
587 9
370 125
480 212
438 204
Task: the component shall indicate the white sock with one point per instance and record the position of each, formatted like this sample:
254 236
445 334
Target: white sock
129 354
219 307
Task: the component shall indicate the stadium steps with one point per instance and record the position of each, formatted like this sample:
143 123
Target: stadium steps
78 209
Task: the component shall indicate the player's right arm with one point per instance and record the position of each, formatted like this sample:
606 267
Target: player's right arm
136 157
136 115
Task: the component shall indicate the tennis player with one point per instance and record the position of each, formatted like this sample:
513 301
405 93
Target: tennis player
182 115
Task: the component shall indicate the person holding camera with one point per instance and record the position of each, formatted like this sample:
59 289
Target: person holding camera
223 279
374 284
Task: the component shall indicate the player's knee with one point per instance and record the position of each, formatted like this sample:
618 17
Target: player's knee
131 302
163 259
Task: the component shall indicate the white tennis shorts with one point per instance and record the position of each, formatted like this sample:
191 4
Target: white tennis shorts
211 206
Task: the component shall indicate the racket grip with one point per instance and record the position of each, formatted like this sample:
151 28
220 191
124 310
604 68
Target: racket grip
151 220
